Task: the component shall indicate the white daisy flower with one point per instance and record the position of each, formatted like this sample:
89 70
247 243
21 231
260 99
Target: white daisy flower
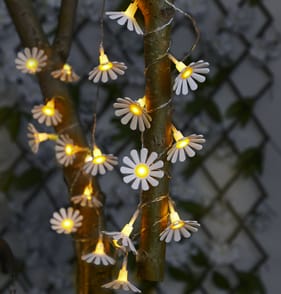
122 239
35 138
66 150
106 69
142 170
47 114
98 256
87 198
65 74
122 280
31 60
189 75
127 16
133 111
178 228
99 163
184 146
66 221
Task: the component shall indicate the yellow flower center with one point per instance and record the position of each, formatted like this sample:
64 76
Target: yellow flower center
99 159
135 109
99 248
177 225
105 67
67 69
142 171
67 224
69 149
182 143
123 275
187 72
49 111
32 64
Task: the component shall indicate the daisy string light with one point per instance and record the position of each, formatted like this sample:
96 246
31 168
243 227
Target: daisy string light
65 74
122 239
31 60
127 16
99 163
35 137
177 227
189 75
98 256
66 221
184 146
133 112
66 150
142 169
122 280
47 113
106 69
87 198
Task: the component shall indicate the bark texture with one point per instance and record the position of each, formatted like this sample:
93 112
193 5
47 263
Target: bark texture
151 259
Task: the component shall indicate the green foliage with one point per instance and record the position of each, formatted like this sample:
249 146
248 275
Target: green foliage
220 281
250 161
249 283
29 178
200 259
193 164
241 110
196 209
6 178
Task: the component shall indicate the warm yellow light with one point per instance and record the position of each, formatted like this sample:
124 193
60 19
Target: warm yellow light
123 275
67 224
131 10
106 66
49 111
99 159
135 109
88 191
41 137
127 230
177 225
142 171
187 72
69 149
182 143
67 69
116 244
99 248
32 64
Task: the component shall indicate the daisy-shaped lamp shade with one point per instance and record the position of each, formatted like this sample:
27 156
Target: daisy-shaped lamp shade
31 60
122 239
99 163
184 146
66 221
133 112
189 75
35 137
142 170
87 198
127 16
106 69
66 150
98 256
47 114
178 228
122 280
65 74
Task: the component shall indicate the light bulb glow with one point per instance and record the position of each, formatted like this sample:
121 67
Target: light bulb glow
106 66
41 137
182 143
88 191
67 69
135 109
187 72
47 110
99 248
127 230
177 225
32 64
69 149
99 159
142 171
67 224
123 275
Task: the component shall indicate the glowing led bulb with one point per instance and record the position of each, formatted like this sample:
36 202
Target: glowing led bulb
105 64
32 64
142 171
67 224
67 69
69 149
182 143
99 158
136 109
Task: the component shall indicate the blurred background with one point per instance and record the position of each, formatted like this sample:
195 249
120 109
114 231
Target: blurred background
232 187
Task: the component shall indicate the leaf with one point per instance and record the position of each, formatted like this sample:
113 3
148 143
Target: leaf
11 118
178 274
193 165
6 180
250 161
220 281
241 110
200 259
28 179
196 209
249 283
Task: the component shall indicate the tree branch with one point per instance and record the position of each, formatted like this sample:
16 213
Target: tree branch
151 258
65 29
89 277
